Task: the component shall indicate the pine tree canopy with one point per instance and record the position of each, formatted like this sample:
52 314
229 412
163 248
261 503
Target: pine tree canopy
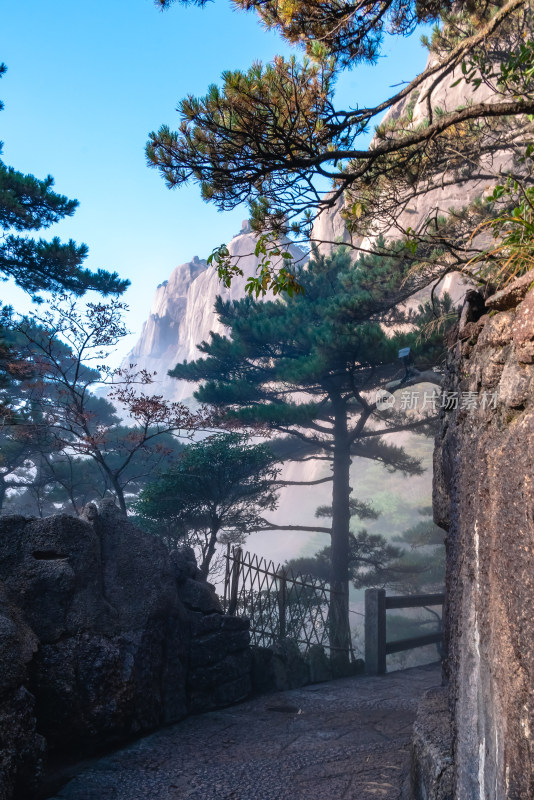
353 31
36 265
274 136
216 491
285 365
370 557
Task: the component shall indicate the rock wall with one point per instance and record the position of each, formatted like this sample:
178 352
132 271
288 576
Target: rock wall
431 775
182 313
103 636
484 498
22 749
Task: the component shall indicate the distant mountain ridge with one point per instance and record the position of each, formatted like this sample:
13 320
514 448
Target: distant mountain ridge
182 313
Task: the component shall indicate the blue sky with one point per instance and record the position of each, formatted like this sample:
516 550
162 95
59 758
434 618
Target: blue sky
88 80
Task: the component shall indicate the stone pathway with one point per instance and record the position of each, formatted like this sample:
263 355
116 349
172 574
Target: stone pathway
343 740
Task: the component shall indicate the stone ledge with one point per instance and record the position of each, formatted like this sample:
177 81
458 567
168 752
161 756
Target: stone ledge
511 295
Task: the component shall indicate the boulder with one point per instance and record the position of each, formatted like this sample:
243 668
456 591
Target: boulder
103 635
22 749
318 664
102 601
279 667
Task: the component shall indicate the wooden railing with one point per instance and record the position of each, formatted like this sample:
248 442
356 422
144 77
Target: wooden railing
376 646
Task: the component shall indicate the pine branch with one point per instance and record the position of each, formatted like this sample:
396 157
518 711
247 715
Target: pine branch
271 526
304 483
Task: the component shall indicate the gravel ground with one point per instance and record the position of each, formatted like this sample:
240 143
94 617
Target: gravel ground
343 740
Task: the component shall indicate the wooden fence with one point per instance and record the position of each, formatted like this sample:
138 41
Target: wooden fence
376 646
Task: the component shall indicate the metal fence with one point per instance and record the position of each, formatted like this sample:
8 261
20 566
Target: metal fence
278 603
281 604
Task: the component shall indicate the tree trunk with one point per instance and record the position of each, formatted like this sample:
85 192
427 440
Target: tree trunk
113 480
212 543
117 488
339 625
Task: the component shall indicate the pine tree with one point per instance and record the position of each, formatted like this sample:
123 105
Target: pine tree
28 204
369 554
218 490
309 368
422 566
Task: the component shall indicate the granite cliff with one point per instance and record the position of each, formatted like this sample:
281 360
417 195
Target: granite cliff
182 313
483 498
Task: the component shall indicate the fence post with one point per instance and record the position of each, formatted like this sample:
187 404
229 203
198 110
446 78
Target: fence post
282 597
234 589
375 631
227 572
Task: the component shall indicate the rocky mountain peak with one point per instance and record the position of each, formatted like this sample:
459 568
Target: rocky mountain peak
182 313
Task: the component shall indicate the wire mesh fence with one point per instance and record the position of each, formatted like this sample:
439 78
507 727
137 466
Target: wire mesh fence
279 603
